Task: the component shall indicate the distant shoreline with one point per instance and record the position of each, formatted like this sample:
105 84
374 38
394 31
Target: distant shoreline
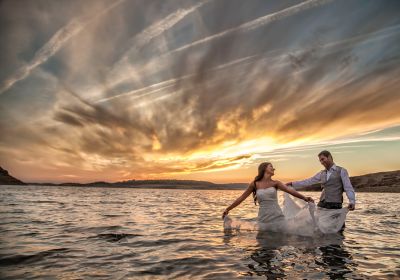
180 187
380 182
381 189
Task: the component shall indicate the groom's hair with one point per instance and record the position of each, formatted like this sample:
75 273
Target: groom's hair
325 153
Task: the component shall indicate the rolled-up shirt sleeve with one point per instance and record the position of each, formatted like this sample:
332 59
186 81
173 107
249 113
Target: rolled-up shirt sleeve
348 187
307 182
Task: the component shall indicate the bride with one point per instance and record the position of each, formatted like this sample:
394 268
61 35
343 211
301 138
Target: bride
294 218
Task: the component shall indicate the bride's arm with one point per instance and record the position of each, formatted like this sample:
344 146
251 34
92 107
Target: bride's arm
284 188
239 200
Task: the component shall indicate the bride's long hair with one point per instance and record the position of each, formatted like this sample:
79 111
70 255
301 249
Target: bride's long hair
260 175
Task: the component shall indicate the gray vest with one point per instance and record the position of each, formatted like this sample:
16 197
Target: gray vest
332 189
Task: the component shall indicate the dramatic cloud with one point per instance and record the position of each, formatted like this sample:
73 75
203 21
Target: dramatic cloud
139 89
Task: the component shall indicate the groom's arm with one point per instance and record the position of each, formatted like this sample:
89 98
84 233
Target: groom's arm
307 182
348 187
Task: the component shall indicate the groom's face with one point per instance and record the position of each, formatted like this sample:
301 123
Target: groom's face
326 161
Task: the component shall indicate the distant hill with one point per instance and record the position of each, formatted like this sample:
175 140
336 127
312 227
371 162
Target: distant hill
378 182
157 184
375 182
7 179
388 181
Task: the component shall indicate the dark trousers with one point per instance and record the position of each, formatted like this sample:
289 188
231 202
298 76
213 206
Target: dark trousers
331 205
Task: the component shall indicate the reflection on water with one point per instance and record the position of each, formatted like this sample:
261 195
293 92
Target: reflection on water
337 260
333 261
280 256
85 233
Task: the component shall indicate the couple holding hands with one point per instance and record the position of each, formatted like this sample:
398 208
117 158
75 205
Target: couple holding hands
329 217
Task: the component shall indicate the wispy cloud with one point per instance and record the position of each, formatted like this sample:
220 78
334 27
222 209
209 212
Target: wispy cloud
144 37
276 58
56 42
156 29
261 21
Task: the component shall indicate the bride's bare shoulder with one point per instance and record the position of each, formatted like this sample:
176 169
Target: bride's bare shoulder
276 183
252 184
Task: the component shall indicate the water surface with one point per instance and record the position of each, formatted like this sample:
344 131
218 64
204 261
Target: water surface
106 233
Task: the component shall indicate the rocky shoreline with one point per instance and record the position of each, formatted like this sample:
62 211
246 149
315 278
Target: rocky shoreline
7 179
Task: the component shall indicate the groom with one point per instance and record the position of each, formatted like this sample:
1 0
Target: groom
334 181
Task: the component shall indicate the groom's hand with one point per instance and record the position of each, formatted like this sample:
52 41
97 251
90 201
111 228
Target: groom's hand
351 207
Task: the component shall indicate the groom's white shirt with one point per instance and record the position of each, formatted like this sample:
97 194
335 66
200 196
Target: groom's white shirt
348 187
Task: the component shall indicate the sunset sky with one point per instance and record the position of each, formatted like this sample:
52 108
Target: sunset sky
204 90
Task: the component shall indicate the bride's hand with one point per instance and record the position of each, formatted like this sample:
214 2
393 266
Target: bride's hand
309 199
225 213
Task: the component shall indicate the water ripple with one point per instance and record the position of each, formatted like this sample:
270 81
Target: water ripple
26 259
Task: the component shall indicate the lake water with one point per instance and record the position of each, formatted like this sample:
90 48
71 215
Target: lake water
104 233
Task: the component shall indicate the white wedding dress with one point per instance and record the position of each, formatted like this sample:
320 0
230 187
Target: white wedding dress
296 216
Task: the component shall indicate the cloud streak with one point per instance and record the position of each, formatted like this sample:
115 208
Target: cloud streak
261 21
56 42
156 29
148 34
278 58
